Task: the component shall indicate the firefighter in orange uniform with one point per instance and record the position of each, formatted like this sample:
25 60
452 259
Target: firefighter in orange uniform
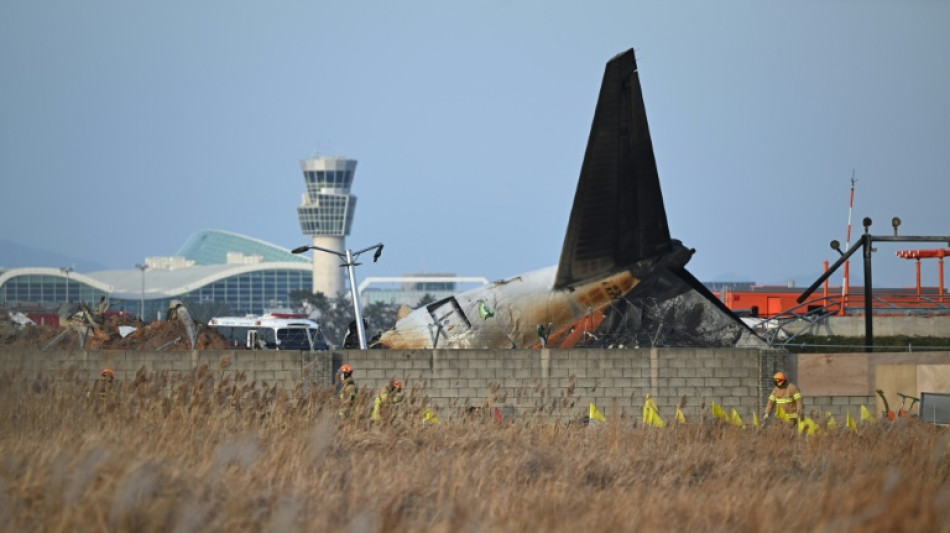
787 396
103 386
347 389
389 395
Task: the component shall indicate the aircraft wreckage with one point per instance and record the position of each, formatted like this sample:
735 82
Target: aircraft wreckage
621 279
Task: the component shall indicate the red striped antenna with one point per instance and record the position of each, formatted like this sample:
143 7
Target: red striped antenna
847 246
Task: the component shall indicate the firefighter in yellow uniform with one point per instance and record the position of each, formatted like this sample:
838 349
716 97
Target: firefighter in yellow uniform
787 396
388 396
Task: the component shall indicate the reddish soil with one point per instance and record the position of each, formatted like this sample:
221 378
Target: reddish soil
170 335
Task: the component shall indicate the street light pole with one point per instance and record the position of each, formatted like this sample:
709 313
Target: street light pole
142 267
867 242
349 261
66 270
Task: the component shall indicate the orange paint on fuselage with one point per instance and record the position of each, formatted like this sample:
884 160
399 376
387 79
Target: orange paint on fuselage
575 332
520 305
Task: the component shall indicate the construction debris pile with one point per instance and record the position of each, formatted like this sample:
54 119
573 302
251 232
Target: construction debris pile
80 328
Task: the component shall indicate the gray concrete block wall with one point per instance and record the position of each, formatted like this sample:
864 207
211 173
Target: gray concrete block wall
559 383
817 407
565 382
283 368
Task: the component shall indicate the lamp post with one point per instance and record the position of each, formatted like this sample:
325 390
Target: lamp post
66 271
349 261
866 242
142 267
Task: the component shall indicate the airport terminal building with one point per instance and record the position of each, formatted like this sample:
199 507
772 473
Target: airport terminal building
243 274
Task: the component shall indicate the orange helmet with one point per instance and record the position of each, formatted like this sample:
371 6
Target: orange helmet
779 377
108 372
397 384
346 369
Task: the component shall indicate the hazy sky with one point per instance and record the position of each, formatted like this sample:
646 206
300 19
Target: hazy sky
127 126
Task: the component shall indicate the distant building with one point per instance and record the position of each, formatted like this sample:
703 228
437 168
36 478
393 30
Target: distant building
326 215
410 289
241 274
717 286
212 247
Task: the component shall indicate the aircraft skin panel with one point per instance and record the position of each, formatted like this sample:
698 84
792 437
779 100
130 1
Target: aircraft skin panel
618 216
519 305
621 280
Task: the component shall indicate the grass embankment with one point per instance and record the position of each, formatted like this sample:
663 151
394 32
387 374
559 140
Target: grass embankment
899 343
198 454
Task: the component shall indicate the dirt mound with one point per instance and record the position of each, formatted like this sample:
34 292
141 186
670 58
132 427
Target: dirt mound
38 337
170 335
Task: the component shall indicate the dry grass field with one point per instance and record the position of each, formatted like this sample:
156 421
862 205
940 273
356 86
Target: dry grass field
199 453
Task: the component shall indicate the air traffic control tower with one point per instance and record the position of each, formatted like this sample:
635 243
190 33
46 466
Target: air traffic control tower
326 214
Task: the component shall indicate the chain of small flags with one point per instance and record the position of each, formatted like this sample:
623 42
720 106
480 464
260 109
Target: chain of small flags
805 425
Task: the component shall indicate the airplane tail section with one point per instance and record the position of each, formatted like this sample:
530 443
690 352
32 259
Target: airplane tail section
618 216
621 280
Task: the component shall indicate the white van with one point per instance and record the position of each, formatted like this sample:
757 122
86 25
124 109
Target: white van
274 331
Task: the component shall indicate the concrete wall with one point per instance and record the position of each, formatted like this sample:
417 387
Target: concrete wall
845 381
884 326
286 368
557 384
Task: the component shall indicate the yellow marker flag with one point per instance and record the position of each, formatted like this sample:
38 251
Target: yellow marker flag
718 412
652 418
866 415
830 421
807 426
648 406
735 419
781 414
594 414
428 417
755 419
849 422
679 415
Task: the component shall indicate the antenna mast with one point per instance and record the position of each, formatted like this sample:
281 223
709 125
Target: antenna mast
847 246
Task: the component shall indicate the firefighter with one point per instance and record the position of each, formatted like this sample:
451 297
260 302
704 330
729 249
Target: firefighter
346 389
787 396
103 385
102 308
388 396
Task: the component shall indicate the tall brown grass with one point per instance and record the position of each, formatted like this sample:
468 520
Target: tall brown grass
200 452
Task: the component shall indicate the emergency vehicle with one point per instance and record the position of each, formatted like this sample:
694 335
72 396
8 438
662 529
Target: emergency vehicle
273 331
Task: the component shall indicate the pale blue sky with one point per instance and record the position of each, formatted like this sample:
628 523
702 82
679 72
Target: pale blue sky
127 126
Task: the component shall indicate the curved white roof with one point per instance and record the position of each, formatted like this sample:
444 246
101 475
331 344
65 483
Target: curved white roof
158 283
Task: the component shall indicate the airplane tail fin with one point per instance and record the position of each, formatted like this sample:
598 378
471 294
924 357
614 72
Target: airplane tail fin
618 216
